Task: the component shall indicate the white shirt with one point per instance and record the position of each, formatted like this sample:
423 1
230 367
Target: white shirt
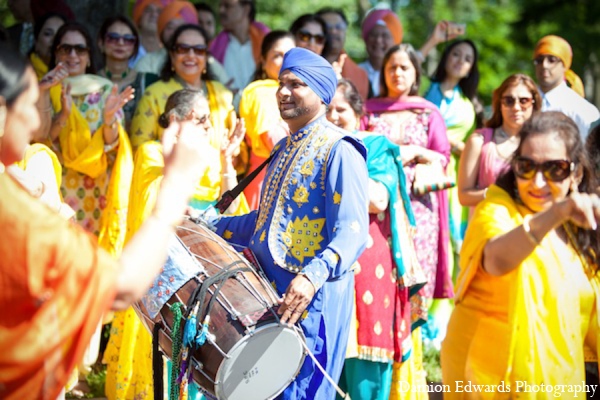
239 63
373 75
563 98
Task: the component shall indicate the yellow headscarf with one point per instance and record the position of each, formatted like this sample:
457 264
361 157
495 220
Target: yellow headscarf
559 47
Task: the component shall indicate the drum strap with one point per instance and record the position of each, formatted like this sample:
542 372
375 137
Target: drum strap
230 195
157 362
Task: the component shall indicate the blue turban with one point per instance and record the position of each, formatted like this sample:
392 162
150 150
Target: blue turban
314 70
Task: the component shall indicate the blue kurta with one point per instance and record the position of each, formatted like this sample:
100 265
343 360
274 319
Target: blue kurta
312 218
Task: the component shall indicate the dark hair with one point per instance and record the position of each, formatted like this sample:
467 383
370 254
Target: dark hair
204 7
180 104
267 44
167 71
41 21
12 74
351 95
469 83
305 19
74 27
516 79
414 60
333 10
108 22
555 122
252 5
592 145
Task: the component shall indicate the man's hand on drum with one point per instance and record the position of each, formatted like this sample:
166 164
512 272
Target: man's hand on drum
295 300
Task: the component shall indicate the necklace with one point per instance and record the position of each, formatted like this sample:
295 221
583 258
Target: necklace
109 74
503 138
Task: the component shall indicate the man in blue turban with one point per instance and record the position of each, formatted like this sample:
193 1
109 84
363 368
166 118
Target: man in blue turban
312 221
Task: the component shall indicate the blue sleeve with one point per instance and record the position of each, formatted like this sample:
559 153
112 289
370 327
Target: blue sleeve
236 230
347 216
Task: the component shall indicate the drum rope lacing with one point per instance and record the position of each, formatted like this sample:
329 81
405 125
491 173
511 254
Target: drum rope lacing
195 334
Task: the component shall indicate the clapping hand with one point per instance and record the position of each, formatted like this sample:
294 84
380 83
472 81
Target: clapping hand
115 101
53 77
231 144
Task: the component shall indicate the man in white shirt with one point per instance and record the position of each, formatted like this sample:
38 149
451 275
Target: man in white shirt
237 47
552 58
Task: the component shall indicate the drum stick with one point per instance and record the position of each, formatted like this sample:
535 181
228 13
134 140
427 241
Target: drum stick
345 396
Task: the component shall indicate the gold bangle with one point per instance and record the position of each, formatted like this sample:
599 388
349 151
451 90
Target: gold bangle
528 232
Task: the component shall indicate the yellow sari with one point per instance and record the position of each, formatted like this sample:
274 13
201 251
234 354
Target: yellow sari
129 340
530 325
82 152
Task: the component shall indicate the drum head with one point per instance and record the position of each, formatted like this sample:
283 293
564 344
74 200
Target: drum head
261 365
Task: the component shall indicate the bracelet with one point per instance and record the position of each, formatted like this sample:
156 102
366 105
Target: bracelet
230 174
527 230
485 193
45 110
113 124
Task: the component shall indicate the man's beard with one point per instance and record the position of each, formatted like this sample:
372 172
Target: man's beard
294 112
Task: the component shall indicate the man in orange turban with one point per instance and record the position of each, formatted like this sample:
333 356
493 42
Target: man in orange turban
552 58
381 29
145 18
173 15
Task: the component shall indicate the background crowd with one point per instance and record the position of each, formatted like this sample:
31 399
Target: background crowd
435 265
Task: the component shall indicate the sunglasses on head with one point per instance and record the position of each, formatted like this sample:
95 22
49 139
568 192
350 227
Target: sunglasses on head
553 170
552 60
307 37
113 37
199 49
66 49
510 101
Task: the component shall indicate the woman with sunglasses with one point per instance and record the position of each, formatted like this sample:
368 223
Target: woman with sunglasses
184 69
527 293
87 134
310 32
259 109
488 151
118 41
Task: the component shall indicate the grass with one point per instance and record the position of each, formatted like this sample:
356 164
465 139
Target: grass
95 380
431 363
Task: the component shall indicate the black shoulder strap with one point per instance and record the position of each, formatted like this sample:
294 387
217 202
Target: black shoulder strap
230 195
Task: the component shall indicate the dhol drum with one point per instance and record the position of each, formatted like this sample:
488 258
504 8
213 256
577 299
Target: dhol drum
247 354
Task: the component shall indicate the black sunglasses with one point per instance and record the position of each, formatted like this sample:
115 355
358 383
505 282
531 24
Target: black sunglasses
113 37
199 49
510 101
307 37
66 49
553 170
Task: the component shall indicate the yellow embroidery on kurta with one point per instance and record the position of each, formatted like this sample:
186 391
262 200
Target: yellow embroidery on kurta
337 198
227 235
300 196
303 237
307 168
262 236
313 185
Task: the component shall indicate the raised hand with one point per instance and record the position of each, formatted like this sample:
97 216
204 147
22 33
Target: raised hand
115 101
182 152
338 65
583 209
231 145
54 77
66 101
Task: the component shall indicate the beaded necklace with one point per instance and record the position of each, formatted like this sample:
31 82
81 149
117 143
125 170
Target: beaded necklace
109 74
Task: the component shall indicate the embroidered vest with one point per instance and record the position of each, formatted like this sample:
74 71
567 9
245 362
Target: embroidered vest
292 213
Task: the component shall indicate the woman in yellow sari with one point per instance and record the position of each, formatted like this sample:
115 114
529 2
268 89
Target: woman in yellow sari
527 294
129 341
91 144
